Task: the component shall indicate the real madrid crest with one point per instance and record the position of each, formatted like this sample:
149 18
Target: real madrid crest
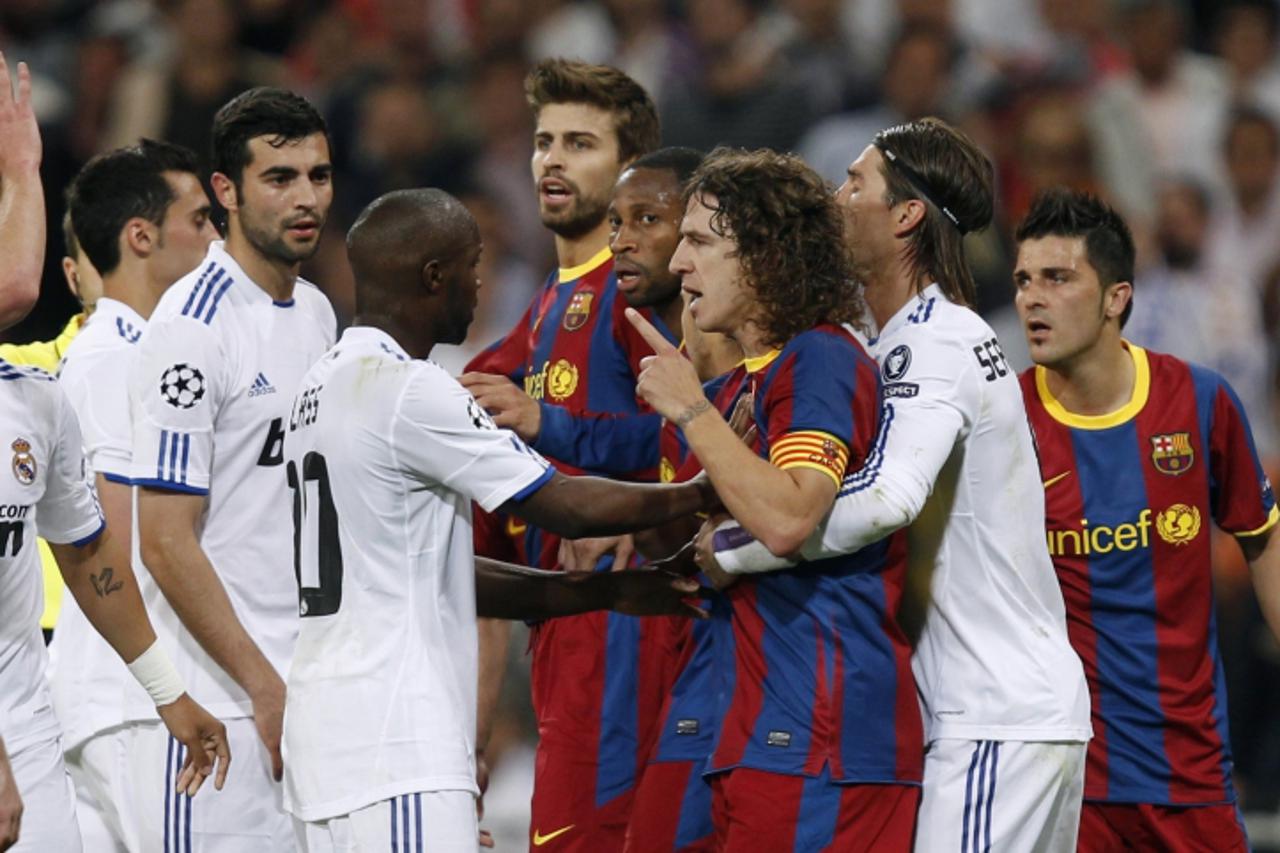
578 312
1172 453
24 464
562 379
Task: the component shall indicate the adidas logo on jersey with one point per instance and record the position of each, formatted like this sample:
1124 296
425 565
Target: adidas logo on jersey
261 385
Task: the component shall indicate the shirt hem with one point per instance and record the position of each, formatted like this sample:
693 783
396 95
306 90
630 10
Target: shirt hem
1030 734
354 802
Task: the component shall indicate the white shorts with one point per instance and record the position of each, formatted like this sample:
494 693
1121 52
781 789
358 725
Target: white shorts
48 800
427 822
1001 795
246 816
99 768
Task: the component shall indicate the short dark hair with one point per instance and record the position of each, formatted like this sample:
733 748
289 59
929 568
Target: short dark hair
565 81
932 161
681 162
117 186
789 236
1108 243
278 114
70 244
1265 8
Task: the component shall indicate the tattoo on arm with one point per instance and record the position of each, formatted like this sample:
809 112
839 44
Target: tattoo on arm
684 418
103 583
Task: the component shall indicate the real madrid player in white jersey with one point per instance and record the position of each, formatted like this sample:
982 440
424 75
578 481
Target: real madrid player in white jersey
216 371
44 491
385 453
142 219
1006 706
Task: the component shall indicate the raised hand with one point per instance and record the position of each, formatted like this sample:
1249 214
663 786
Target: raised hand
506 402
668 381
19 136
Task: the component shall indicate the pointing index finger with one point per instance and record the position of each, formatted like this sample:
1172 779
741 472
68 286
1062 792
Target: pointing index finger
651 335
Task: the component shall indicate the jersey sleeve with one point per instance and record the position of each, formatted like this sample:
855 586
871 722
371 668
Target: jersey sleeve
99 392
805 410
180 381
1241 495
608 443
68 510
923 413
442 435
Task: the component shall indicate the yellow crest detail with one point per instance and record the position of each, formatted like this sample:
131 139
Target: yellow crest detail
666 471
1172 453
24 464
1178 524
579 310
562 380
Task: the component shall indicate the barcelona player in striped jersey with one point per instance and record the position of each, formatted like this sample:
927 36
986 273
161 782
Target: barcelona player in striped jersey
598 680
798 764
1140 453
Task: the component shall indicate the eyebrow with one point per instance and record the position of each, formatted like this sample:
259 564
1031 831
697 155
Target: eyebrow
279 171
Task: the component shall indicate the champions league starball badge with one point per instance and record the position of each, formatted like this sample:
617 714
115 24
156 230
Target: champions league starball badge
182 386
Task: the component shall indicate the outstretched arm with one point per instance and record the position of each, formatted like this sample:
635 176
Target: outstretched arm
1263 553
508 591
22 225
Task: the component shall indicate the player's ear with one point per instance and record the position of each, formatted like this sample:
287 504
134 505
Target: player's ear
431 277
907 216
1117 298
224 190
138 237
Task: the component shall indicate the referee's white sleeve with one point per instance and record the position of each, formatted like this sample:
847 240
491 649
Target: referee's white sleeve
925 411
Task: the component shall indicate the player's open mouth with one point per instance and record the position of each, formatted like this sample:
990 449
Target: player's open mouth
554 192
694 295
1037 328
628 277
305 229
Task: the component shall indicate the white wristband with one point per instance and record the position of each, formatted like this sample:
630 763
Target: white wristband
157 676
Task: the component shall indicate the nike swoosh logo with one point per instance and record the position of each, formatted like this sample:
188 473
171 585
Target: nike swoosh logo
1052 480
539 840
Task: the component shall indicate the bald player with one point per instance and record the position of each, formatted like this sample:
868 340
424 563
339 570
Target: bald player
385 453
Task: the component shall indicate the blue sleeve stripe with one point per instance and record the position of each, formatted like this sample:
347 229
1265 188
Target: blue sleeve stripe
173 469
206 292
85 540
167 486
186 308
213 309
535 485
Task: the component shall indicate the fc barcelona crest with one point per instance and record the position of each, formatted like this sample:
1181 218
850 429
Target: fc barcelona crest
578 312
24 464
1172 453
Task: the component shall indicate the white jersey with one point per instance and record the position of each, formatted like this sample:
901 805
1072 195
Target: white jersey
217 369
387 454
993 661
91 685
42 489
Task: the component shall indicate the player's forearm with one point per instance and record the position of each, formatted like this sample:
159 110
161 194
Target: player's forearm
578 507
765 500
192 587
658 543
494 636
1264 567
100 579
508 591
22 239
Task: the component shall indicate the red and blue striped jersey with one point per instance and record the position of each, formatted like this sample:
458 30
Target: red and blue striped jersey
1129 497
692 711
820 671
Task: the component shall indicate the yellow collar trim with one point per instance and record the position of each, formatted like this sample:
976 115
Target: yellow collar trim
570 273
760 362
1141 390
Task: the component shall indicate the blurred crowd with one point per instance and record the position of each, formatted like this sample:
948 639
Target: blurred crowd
1168 108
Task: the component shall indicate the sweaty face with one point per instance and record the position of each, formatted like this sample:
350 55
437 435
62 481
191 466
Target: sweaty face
868 221
644 228
575 165
461 290
1061 303
187 231
720 299
284 197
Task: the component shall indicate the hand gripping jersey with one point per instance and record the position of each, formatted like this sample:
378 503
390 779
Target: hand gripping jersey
217 369
385 455
92 688
42 489
993 661
821 676
1129 500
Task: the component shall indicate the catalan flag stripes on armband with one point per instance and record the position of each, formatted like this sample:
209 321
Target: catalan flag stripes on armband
821 451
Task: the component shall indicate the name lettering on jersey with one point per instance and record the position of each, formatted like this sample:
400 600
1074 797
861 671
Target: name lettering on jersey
897 362
261 385
24 464
273 448
306 408
555 381
14 510
11 536
1172 453
578 312
991 359
1177 525
900 389
182 386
